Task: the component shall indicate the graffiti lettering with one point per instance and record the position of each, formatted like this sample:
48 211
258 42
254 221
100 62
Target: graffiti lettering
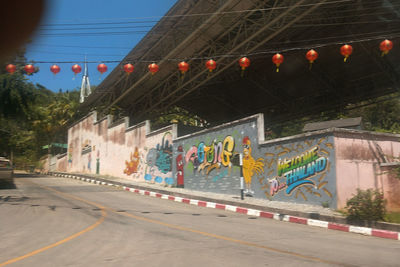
211 157
275 186
297 177
297 169
287 165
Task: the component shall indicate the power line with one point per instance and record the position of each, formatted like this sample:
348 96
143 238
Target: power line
212 13
264 52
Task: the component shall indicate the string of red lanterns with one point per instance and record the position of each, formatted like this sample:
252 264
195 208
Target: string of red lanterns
345 50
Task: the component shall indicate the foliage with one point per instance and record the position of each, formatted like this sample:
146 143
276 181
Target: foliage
366 205
393 217
381 114
32 116
177 115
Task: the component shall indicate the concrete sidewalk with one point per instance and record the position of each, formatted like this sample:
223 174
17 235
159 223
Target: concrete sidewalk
277 207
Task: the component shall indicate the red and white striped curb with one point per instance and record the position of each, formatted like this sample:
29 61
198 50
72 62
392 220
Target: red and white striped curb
252 212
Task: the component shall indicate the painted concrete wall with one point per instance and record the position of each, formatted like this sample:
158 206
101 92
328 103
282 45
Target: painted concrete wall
298 169
361 158
61 164
209 160
321 168
117 149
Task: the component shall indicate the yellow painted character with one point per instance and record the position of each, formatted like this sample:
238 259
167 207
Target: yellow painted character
250 165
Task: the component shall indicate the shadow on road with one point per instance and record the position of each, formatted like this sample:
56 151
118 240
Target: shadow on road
7 185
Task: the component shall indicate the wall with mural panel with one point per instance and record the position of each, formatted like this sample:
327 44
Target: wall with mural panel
117 149
299 169
322 168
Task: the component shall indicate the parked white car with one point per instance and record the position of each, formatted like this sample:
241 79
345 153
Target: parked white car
6 170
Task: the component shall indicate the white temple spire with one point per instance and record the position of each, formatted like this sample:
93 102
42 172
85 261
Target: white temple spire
85 87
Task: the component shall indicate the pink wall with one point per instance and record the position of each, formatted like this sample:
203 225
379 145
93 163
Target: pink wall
114 148
359 160
62 164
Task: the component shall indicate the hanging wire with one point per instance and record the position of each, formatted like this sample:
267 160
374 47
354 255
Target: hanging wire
391 35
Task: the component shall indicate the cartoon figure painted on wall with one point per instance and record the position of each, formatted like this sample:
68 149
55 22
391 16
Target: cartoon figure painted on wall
133 164
159 162
250 165
179 168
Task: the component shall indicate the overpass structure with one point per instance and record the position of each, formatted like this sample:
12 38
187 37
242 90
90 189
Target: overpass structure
197 30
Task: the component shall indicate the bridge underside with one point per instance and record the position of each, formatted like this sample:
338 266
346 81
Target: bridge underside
227 30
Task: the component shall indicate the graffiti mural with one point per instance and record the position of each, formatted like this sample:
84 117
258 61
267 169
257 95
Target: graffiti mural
303 173
159 162
250 165
210 161
179 168
133 164
70 150
206 158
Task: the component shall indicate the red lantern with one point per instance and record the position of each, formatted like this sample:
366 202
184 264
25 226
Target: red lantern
55 69
277 59
311 55
211 65
183 67
346 51
76 69
102 68
244 62
29 69
153 68
386 46
128 68
11 68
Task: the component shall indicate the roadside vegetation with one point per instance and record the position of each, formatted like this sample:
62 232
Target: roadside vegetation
31 116
380 115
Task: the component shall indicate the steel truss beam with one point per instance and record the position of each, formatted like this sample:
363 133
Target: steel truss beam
254 37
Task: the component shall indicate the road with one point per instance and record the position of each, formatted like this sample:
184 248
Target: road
48 221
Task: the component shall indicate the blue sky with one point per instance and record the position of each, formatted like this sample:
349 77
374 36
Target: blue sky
53 42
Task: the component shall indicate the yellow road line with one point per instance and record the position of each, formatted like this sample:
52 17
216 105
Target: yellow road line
91 227
242 242
173 226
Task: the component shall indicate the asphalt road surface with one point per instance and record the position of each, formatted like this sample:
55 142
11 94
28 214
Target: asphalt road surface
48 221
